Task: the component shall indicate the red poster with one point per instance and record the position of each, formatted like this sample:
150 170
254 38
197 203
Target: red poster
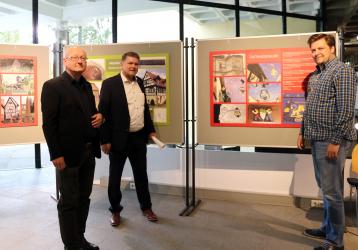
18 84
259 88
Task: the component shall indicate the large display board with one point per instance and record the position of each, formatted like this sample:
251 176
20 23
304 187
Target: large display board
161 70
23 70
251 90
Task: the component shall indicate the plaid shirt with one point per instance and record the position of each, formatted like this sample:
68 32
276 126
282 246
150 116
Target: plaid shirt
329 109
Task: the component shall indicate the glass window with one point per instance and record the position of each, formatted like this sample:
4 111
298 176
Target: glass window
268 5
206 22
75 22
303 7
16 22
297 25
256 24
220 1
140 21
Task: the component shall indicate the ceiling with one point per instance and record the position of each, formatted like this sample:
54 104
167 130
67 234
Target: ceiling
343 14
340 13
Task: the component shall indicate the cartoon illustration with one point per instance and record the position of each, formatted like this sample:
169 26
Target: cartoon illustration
219 91
264 72
229 64
268 115
256 115
293 107
230 113
264 92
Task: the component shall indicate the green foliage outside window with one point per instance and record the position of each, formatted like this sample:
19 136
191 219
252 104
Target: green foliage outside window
9 37
97 31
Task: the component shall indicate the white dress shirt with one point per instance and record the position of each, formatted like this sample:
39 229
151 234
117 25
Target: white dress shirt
135 99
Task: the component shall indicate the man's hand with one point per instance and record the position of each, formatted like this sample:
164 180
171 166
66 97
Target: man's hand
300 142
332 151
97 120
152 134
106 148
59 163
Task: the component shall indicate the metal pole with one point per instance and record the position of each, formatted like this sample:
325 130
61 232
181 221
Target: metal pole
192 122
186 124
237 17
186 121
114 20
35 40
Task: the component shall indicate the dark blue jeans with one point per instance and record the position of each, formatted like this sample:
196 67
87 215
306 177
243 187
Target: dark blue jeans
329 177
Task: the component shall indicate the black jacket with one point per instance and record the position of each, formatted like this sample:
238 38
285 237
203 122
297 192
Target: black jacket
113 106
64 119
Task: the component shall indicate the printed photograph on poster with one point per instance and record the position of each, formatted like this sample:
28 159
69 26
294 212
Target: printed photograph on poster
229 64
264 72
229 89
94 74
27 109
264 92
264 114
17 84
229 113
293 108
16 65
10 110
153 71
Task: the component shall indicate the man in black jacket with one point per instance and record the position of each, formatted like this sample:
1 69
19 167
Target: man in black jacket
125 134
70 126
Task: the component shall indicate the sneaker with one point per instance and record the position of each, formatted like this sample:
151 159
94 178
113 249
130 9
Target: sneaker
315 233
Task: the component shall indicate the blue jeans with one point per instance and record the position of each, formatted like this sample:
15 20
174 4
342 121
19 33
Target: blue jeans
329 177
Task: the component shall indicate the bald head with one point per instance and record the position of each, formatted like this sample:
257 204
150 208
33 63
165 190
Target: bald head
75 61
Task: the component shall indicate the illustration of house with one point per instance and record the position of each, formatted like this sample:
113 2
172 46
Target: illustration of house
155 89
11 110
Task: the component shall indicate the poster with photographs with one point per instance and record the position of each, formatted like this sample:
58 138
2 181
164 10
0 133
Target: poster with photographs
259 88
18 82
153 70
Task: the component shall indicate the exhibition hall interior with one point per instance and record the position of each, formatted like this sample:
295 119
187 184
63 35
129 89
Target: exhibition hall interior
224 82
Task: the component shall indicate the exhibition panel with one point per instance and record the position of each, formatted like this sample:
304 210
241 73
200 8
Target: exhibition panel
161 70
23 70
252 89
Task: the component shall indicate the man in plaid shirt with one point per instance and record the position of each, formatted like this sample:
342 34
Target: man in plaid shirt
329 126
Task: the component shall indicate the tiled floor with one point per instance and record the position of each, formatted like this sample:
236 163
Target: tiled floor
28 220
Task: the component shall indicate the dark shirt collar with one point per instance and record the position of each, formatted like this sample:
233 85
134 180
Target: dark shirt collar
80 82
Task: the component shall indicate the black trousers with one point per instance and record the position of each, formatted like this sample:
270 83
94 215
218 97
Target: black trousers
75 189
136 152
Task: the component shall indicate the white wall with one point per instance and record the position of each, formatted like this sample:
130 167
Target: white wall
260 173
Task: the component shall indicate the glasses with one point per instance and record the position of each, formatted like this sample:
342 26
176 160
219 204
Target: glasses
76 58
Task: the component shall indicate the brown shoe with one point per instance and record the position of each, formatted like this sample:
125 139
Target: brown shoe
151 216
115 219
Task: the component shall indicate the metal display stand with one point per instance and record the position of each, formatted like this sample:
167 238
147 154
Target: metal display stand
190 202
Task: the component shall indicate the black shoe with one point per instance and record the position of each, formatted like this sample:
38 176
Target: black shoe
88 246
315 233
329 246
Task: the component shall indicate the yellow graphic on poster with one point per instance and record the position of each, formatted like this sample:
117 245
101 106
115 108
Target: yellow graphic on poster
153 70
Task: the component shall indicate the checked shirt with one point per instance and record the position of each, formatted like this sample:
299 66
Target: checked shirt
329 108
